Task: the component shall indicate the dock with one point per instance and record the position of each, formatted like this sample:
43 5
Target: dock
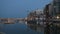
10 20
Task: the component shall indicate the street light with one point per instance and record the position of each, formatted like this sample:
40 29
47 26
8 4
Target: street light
57 17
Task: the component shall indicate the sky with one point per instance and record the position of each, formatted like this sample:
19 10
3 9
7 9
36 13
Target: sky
19 8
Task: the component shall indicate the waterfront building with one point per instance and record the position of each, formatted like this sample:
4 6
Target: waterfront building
53 9
56 4
56 10
47 12
37 15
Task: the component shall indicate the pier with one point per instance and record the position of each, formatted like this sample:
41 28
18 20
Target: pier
10 20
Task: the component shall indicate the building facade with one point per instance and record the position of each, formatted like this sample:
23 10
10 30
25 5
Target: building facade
56 4
52 9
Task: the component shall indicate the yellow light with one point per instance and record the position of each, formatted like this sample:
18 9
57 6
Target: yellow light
58 17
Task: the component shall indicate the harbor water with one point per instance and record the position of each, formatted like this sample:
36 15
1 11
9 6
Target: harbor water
20 28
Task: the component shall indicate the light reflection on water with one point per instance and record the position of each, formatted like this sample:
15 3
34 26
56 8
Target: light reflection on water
19 28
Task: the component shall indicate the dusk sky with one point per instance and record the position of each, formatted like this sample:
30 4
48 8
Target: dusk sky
18 8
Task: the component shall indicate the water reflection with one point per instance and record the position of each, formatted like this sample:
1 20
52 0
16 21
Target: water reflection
36 27
51 29
18 28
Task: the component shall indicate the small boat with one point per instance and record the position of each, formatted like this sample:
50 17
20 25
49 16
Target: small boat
8 23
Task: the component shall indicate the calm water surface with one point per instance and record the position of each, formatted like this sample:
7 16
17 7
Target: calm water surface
19 28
